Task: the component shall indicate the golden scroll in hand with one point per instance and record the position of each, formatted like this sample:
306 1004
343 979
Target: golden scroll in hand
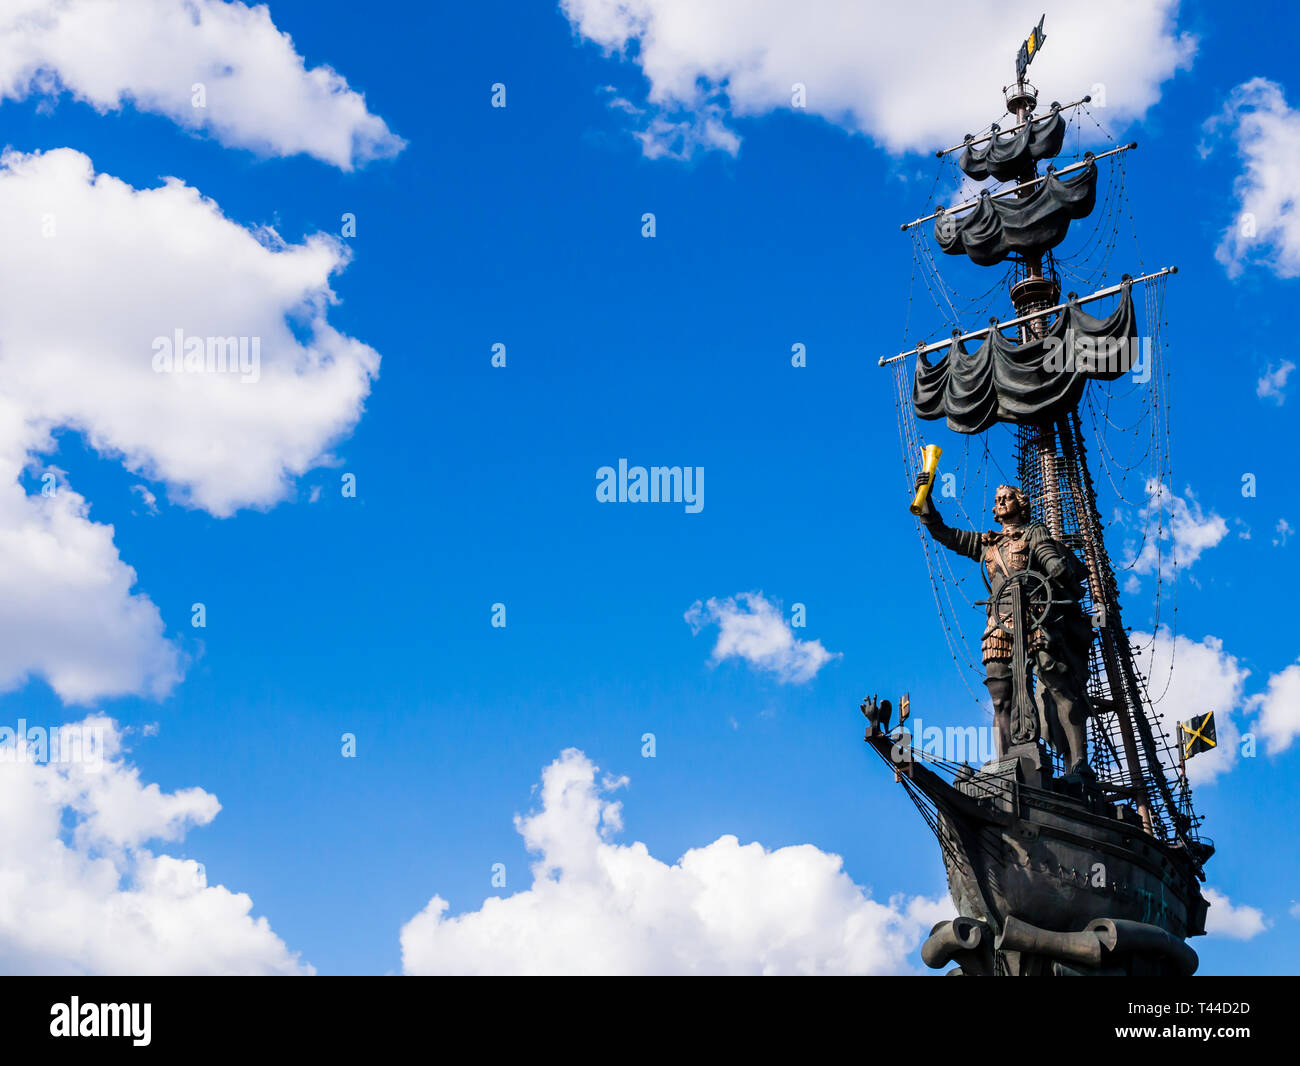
929 464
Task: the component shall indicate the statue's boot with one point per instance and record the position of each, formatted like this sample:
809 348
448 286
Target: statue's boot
998 682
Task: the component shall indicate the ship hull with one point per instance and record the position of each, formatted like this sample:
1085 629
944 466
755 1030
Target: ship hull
1050 875
1059 866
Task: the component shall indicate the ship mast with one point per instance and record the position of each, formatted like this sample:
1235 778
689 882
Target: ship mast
1053 470
1051 452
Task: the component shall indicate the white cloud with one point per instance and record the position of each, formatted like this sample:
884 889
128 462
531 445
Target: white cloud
1284 531
1205 678
908 75
1178 531
95 270
752 628
601 908
219 441
67 612
1236 922
147 498
1279 709
80 892
1267 226
258 92
1273 382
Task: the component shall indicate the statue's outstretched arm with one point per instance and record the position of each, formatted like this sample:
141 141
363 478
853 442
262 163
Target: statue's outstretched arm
962 541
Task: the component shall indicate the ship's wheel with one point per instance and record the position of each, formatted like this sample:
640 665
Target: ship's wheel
1035 601
1019 607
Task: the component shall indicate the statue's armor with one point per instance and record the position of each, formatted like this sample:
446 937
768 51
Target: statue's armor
1022 547
1057 650
1012 547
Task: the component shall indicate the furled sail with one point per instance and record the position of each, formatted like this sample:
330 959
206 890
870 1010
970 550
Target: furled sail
1006 158
1004 381
1029 225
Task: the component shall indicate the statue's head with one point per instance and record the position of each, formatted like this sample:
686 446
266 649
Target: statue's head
1010 506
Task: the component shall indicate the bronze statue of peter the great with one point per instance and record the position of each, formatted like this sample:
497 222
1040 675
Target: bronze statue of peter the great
1056 649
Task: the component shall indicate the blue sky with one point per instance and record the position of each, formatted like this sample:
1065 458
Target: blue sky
522 225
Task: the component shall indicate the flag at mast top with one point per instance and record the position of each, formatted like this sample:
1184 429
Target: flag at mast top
1029 48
